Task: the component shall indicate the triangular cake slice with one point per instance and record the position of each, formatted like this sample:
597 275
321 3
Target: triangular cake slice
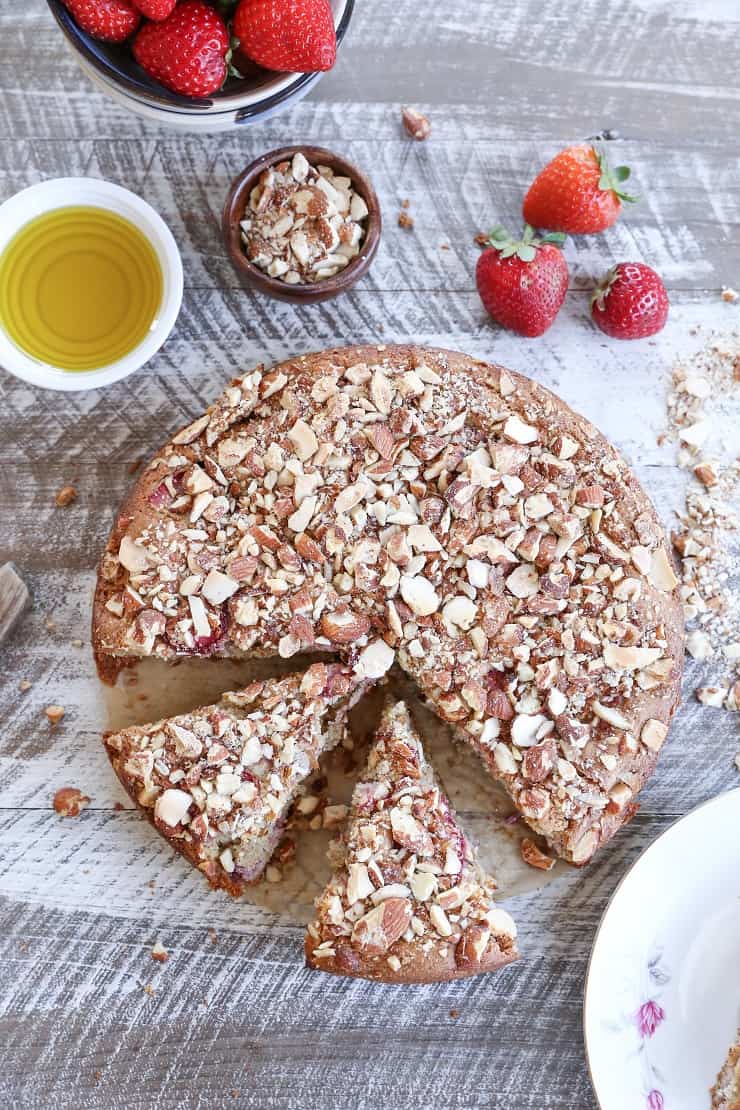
218 782
408 901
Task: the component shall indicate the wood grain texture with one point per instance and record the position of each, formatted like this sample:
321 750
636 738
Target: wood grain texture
505 82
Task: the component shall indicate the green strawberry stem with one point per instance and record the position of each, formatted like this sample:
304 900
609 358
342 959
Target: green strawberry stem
612 179
525 248
601 292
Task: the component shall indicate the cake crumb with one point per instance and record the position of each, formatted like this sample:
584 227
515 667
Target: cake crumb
730 295
66 496
702 414
159 953
69 801
404 220
54 714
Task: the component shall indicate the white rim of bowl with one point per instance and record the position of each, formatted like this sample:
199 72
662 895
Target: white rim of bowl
66 192
599 929
179 119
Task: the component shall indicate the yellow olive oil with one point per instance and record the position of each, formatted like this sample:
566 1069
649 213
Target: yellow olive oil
80 287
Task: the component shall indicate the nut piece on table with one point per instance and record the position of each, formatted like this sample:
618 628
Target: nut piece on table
415 124
69 801
534 856
66 495
54 714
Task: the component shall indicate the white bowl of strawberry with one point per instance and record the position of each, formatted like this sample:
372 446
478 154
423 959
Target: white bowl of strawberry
204 64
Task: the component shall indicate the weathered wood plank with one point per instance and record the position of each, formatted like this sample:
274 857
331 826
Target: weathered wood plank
686 223
271 1030
506 83
650 70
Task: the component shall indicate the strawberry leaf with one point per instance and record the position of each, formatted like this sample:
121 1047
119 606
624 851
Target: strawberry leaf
525 248
611 179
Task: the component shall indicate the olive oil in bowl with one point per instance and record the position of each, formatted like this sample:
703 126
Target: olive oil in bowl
80 288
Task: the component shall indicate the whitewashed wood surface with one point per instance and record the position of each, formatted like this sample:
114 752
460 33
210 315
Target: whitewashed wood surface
87 1019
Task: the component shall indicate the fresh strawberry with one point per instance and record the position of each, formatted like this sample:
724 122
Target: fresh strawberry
631 302
188 52
522 282
155 9
107 20
292 36
577 192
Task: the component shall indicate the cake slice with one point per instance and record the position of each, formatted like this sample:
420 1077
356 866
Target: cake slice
408 901
218 782
726 1091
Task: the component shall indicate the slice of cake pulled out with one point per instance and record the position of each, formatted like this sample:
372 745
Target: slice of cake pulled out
726 1091
408 902
218 782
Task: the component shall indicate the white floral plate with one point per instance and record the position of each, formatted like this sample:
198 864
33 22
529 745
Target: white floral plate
662 999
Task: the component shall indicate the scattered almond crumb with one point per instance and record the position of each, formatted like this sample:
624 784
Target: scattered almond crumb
404 220
160 953
54 714
285 852
334 815
24 685
415 124
235 1093
149 989
213 936
66 495
534 856
702 417
405 203
481 239
454 1014
69 801
729 295
76 643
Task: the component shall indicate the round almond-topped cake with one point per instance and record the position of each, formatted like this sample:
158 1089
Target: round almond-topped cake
404 504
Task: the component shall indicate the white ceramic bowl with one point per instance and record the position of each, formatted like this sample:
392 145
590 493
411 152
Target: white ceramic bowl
662 1001
63 192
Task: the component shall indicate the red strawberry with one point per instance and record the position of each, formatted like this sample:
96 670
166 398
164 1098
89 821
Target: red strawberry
577 192
292 36
631 302
522 283
188 52
155 9
107 20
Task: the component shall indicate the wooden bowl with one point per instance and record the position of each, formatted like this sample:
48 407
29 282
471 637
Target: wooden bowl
235 208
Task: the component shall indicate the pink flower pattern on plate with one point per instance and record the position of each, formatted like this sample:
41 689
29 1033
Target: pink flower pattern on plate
655 1101
648 1018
